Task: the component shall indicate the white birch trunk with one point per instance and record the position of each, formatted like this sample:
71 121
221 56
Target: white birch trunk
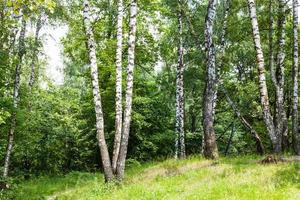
129 91
119 112
32 76
268 119
271 53
96 93
180 90
222 50
21 52
280 114
295 130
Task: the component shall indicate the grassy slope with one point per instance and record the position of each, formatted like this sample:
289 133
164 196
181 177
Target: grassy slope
195 178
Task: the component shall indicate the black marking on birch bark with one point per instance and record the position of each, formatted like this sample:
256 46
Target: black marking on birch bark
21 52
119 111
280 114
295 115
210 147
180 135
129 91
32 77
268 119
108 173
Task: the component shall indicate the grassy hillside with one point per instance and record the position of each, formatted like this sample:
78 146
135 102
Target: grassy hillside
195 178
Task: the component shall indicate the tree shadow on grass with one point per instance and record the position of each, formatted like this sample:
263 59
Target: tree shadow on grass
289 176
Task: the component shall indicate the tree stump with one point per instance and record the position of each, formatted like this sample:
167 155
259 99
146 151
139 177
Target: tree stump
270 159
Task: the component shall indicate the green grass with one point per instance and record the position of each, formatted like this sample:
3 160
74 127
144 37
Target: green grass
194 178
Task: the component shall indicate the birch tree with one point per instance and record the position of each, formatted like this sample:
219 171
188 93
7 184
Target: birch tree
91 45
32 77
271 53
21 52
222 49
245 123
118 123
210 145
280 114
295 130
180 90
264 97
129 91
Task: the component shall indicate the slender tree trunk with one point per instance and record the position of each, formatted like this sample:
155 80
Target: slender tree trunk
129 91
259 145
230 139
295 130
222 50
96 93
246 124
225 130
180 87
118 123
12 40
21 52
210 146
280 114
222 46
224 28
268 119
271 53
35 52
